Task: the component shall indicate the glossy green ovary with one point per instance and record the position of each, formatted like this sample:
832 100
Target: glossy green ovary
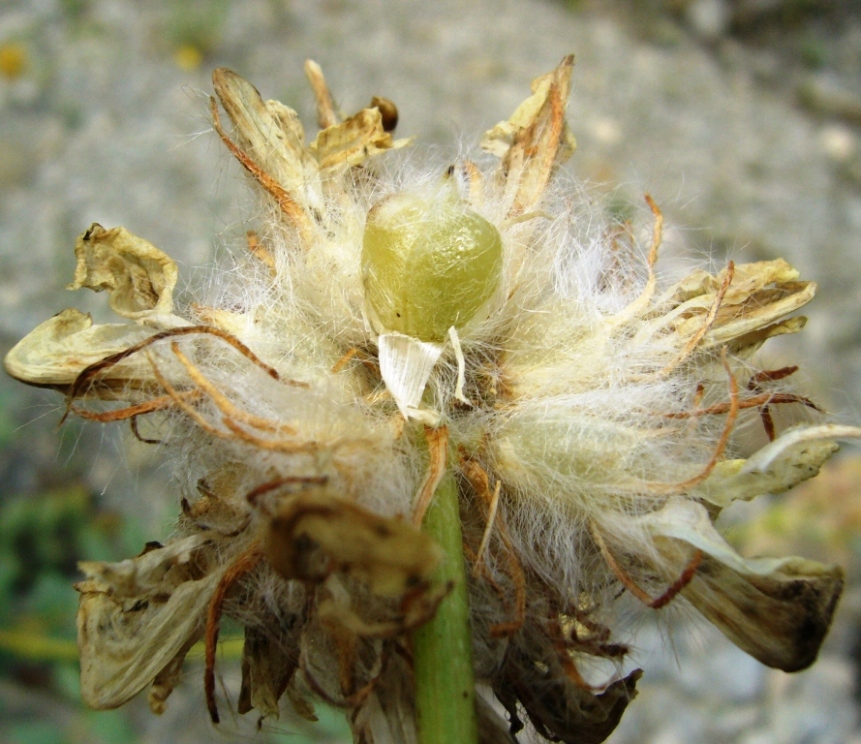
428 264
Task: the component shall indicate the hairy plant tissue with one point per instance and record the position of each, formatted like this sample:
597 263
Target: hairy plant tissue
387 324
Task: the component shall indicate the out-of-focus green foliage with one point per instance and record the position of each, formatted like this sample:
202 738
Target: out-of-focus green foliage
41 540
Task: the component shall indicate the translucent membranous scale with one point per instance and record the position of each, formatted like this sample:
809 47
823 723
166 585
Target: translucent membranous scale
428 263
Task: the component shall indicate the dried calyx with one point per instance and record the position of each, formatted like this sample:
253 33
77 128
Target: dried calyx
378 335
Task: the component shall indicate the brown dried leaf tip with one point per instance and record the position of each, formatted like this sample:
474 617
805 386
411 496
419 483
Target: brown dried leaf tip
592 411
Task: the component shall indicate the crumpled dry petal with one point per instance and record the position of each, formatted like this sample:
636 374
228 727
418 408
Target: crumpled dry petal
353 141
139 277
138 618
268 665
759 295
777 610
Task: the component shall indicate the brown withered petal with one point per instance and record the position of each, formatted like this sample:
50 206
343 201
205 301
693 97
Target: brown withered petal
779 617
315 533
558 708
777 610
269 660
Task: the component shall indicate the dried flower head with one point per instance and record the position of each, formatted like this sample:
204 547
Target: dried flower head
388 329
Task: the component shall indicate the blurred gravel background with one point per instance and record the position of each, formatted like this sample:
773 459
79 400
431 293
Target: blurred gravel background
741 117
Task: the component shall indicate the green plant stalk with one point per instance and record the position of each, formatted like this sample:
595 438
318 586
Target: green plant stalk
442 647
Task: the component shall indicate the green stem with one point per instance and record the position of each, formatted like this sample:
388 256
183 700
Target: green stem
442 648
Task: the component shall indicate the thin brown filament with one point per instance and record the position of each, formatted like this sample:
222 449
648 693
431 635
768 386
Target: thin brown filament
571 670
657 231
88 373
640 304
658 602
480 482
224 404
326 115
772 375
488 529
133 422
344 360
273 445
121 414
184 405
561 647
755 402
246 562
236 433
437 439
351 701
259 251
732 415
623 577
686 577
475 179
311 480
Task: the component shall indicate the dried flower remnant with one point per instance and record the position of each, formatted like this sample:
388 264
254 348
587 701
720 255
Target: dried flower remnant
390 336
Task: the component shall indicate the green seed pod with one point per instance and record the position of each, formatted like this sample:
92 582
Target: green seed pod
428 263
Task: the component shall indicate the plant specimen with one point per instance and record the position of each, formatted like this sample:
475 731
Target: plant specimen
436 426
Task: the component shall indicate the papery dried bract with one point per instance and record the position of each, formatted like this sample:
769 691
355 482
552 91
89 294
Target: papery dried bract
535 138
140 617
270 136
